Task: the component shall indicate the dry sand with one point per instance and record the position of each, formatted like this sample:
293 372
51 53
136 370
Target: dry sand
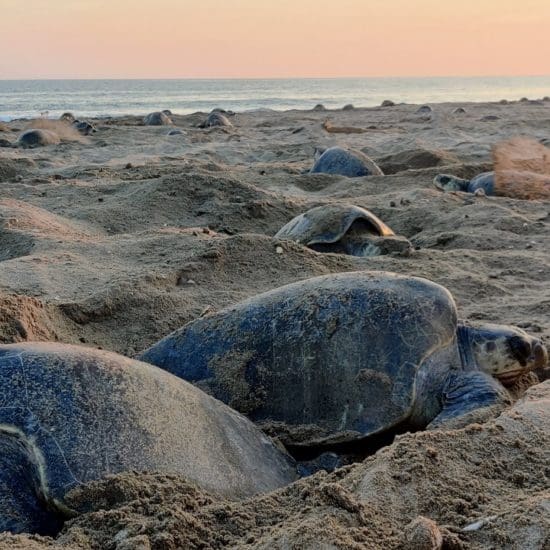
116 241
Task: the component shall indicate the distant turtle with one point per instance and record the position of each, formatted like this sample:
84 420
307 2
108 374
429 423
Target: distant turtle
84 128
344 229
215 118
344 162
157 119
337 358
459 111
225 112
485 181
387 103
425 109
69 415
348 107
319 107
67 117
37 138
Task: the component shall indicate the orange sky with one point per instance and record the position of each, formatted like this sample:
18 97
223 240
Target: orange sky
273 38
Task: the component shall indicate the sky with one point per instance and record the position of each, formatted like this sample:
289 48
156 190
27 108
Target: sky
273 38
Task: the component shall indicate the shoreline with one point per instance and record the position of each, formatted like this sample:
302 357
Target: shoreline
328 110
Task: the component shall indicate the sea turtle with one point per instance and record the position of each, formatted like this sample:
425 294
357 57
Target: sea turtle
459 111
348 107
319 107
344 162
484 181
37 138
67 117
157 119
84 128
337 358
69 415
344 229
225 112
425 109
387 103
215 118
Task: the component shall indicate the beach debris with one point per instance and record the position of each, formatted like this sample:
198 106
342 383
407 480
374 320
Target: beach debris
477 525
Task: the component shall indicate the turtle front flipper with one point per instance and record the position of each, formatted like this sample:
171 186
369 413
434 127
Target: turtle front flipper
467 397
447 182
22 508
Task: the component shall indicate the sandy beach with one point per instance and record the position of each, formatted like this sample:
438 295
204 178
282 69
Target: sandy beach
120 237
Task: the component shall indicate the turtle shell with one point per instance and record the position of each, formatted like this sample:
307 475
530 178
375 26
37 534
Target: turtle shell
485 181
327 224
325 360
38 138
158 118
78 414
344 162
216 118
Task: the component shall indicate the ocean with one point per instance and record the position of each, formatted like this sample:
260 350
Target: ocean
97 98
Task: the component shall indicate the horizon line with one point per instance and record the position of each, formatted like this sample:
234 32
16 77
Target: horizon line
39 79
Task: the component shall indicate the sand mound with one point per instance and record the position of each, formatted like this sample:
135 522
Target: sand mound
23 318
522 169
64 130
10 168
469 488
415 159
21 217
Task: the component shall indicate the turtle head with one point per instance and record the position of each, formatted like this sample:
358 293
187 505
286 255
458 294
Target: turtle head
504 352
446 182
394 245
318 152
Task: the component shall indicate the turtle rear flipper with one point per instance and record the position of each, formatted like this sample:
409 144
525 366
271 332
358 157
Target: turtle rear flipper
22 508
466 397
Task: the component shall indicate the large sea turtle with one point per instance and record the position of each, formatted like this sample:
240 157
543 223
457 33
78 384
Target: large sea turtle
340 357
344 229
158 118
83 127
484 181
216 118
344 162
37 138
69 415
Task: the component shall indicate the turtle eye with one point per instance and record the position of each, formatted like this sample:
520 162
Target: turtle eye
520 349
490 346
